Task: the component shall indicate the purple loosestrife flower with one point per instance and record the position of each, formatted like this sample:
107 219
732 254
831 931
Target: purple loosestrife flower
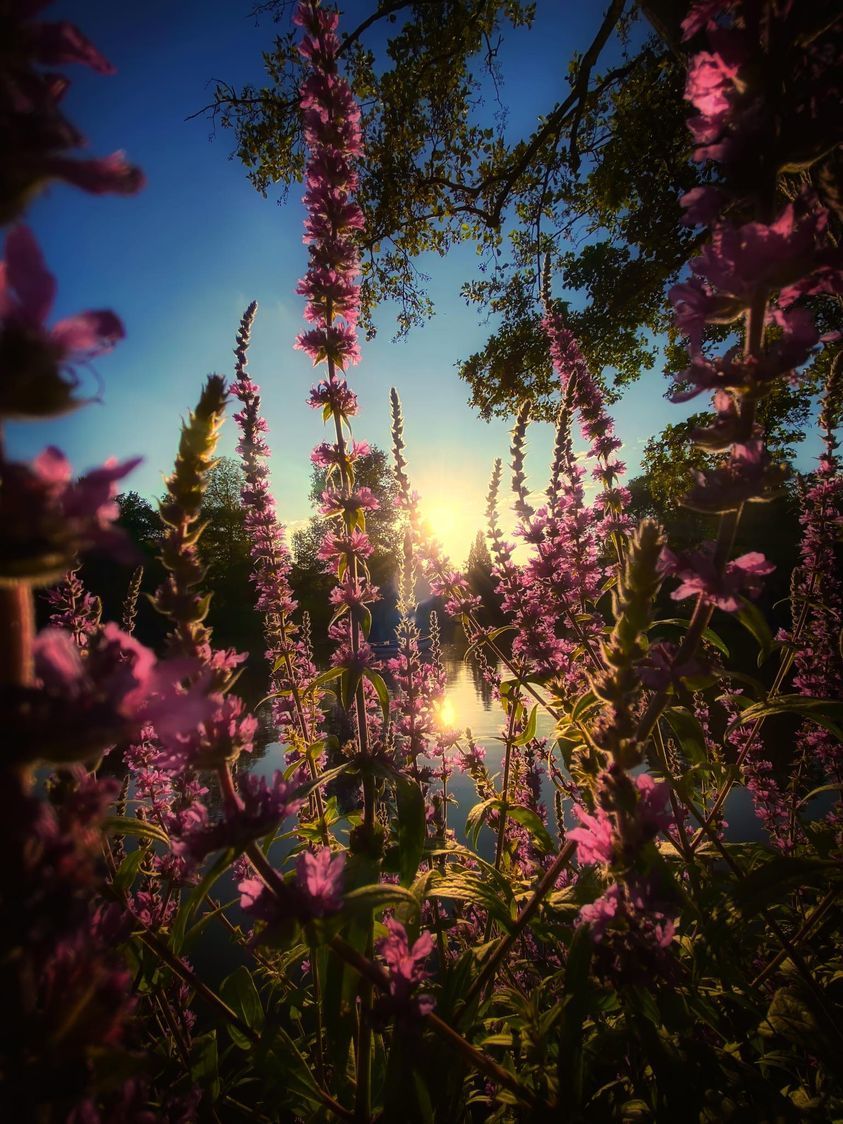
582 390
632 932
817 606
599 839
37 363
752 120
79 707
261 807
48 518
74 609
770 803
326 455
315 892
789 254
319 878
701 578
222 736
331 120
405 968
332 133
660 671
55 934
445 582
563 576
333 397
296 713
34 135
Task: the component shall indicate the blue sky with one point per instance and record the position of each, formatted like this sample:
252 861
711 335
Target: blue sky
180 261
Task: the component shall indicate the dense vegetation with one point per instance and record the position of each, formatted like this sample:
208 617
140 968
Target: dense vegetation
187 937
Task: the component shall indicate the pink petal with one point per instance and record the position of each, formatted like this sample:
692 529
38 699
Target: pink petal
57 660
57 43
88 333
52 466
28 276
102 176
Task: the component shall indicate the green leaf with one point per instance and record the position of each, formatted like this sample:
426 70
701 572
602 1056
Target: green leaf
827 713
689 734
240 993
380 686
754 622
127 871
772 881
304 790
583 705
818 792
127 825
708 633
498 880
467 886
475 818
412 827
789 1016
195 931
325 677
518 812
197 896
531 821
529 731
286 1071
348 687
204 1068
378 896
365 620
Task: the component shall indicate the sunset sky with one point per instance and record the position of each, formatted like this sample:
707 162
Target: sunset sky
180 262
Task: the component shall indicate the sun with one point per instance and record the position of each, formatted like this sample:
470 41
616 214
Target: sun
452 524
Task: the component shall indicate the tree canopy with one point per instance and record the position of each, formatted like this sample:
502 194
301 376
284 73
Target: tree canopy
594 189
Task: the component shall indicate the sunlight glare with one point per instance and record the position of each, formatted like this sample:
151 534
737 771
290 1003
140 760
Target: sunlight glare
447 524
447 714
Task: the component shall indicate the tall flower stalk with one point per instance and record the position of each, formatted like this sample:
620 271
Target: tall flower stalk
331 122
297 715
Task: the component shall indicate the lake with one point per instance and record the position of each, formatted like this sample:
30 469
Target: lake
471 704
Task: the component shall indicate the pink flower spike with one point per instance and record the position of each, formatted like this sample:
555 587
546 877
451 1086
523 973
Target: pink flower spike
319 875
404 962
595 838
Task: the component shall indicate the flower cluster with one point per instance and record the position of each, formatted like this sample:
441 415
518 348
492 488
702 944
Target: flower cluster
37 363
78 707
296 713
331 121
51 518
582 390
315 892
701 577
74 609
34 133
405 968
331 125
260 808
758 270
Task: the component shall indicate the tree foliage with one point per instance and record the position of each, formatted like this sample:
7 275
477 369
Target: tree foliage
594 189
